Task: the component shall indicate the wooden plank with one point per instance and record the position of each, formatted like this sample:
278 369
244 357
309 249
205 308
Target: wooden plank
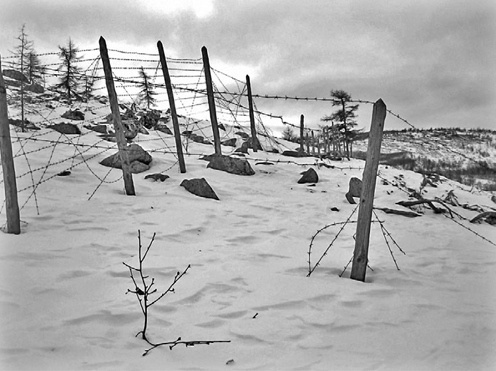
172 105
211 101
9 176
116 118
360 255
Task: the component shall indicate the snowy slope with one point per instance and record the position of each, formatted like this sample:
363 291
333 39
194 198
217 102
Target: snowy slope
64 304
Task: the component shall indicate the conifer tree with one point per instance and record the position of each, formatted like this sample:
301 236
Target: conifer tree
34 70
21 53
69 81
345 115
146 94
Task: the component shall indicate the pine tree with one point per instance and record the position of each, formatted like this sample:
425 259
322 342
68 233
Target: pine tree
146 94
345 115
288 134
21 53
69 81
34 70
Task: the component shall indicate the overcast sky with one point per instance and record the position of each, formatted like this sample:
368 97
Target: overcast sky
432 61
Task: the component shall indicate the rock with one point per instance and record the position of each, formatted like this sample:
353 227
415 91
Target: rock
249 143
157 177
65 128
355 190
35 88
264 163
73 115
163 128
199 187
16 75
229 142
137 167
28 125
231 165
150 119
130 129
294 154
309 176
208 158
493 199
242 134
142 130
242 149
99 128
137 158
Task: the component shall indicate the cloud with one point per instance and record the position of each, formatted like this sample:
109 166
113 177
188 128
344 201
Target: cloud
430 60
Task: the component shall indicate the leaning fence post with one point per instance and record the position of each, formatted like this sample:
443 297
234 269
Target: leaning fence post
9 177
302 127
360 255
211 101
254 139
172 104
116 118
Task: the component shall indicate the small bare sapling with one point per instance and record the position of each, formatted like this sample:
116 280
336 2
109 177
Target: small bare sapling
143 288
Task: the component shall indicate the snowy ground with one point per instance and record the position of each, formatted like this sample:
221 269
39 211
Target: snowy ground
63 285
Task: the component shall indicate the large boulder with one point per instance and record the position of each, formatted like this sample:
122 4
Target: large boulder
309 176
65 128
15 75
355 190
231 165
199 187
139 159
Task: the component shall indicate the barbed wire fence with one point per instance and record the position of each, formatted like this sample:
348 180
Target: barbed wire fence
191 100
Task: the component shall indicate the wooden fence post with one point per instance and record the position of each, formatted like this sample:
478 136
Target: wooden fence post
9 177
172 104
116 118
254 139
211 101
302 138
313 143
360 255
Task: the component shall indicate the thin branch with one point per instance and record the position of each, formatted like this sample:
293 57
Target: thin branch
171 287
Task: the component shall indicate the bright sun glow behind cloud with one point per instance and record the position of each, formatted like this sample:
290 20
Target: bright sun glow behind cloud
201 8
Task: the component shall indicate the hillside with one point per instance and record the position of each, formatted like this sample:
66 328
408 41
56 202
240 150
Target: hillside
428 301
465 155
